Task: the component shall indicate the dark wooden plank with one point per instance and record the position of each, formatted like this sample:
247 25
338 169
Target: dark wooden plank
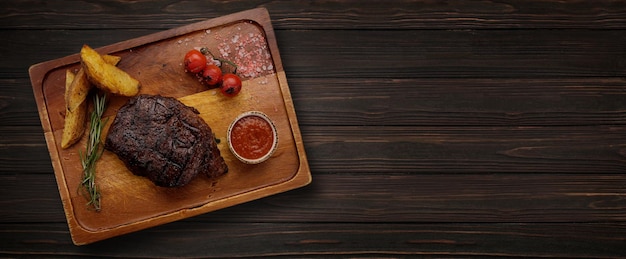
22 148
18 137
403 198
373 198
22 144
17 104
383 54
453 53
602 240
19 158
321 15
459 102
344 149
30 198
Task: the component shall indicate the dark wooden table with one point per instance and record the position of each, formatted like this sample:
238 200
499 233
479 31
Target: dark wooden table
443 129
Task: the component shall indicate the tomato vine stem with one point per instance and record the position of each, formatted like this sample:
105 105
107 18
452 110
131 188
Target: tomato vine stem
206 51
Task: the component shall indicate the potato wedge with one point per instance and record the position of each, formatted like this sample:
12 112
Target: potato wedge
106 76
80 87
113 60
76 91
74 119
69 78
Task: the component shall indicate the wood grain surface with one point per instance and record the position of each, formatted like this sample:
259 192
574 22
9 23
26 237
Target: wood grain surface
432 129
130 203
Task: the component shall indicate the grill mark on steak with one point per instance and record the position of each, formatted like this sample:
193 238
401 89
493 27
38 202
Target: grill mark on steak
162 139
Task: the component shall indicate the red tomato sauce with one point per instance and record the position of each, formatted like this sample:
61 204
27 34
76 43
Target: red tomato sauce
252 137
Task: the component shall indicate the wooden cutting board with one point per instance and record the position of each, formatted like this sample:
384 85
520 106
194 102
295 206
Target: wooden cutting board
130 203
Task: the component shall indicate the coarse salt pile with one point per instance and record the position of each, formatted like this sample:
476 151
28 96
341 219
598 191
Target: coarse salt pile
249 51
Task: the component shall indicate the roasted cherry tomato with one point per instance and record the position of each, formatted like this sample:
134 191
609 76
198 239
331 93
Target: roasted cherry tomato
195 61
231 85
212 75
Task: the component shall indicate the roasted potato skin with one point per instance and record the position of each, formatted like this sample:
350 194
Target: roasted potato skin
80 86
75 119
105 76
77 87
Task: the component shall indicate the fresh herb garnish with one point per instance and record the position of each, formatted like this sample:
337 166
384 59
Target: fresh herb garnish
93 152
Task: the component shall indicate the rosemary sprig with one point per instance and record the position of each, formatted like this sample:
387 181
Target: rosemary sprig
93 152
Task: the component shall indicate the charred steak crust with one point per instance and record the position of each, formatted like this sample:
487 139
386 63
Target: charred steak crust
164 140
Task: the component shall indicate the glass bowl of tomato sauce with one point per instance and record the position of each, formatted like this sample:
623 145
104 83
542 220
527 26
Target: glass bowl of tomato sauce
252 137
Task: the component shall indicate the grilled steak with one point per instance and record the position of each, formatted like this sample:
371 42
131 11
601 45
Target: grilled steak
164 140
